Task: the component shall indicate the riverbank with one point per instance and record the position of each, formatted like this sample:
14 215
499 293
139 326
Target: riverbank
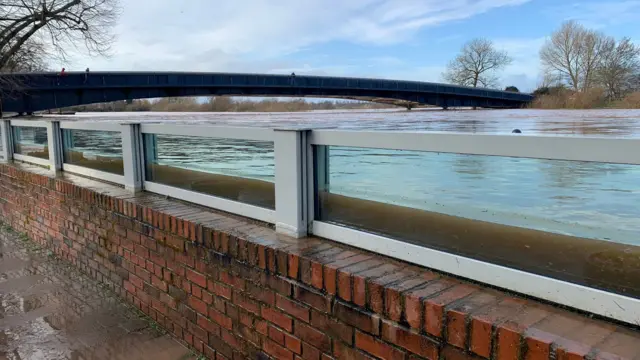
591 99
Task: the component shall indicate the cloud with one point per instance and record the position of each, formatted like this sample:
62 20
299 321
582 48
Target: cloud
256 35
599 14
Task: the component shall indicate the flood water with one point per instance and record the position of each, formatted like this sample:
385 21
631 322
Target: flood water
366 188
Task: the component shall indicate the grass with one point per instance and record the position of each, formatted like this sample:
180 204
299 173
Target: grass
589 99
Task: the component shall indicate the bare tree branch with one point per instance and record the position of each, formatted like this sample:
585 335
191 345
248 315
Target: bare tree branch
477 63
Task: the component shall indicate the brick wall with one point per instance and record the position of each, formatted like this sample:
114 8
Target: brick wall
232 289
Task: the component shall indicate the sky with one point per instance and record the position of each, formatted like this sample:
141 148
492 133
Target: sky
393 39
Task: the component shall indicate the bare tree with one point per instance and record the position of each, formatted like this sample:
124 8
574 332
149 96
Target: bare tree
574 53
618 69
59 24
477 64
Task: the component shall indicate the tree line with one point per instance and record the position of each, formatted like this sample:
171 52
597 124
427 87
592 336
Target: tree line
223 104
573 58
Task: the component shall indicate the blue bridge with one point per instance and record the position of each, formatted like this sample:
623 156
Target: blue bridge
28 93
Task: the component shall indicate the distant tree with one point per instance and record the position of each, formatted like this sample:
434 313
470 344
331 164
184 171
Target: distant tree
619 67
574 53
512 89
477 64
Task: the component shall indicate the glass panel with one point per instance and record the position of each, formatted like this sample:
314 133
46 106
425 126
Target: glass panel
31 141
99 150
574 221
241 170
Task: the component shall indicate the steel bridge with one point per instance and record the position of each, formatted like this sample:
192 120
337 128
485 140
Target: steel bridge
28 93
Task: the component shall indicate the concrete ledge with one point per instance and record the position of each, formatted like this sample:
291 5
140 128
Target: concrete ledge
232 288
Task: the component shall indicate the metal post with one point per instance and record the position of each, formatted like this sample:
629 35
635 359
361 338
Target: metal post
54 139
6 154
292 193
133 157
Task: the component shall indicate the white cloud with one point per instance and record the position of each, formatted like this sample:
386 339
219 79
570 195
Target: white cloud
251 35
599 14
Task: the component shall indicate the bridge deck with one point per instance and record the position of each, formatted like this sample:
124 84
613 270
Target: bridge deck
41 91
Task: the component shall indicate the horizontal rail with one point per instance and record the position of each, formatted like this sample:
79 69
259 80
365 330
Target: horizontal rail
95 174
215 202
599 302
29 123
240 133
88 125
605 150
32 159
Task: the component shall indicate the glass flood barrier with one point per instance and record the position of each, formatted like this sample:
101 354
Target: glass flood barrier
573 221
240 170
98 150
31 141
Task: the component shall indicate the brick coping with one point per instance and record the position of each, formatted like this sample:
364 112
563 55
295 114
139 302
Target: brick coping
387 301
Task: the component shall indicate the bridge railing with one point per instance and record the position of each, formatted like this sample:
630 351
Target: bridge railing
375 190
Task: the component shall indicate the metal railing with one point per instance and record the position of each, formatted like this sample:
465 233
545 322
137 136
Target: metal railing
299 164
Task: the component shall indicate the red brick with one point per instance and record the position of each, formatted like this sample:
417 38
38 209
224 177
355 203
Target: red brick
208 325
220 318
509 333
198 305
294 266
219 289
292 343
309 352
345 285
232 280
457 327
413 342
393 300
293 308
277 318
312 336
276 335
158 283
360 279
377 348
482 325
413 306
312 298
279 352
197 278
353 316
332 327
330 273
434 307
136 281
344 352
246 303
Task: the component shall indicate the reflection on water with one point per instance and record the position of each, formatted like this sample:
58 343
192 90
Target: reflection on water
584 199
99 150
240 170
31 141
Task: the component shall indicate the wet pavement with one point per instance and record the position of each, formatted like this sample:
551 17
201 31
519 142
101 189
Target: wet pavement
49 310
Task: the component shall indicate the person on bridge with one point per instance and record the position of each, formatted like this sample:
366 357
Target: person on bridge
86 75
61 74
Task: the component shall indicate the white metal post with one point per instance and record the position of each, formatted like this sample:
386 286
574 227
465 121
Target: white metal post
6 154
54 139
292 195
133 157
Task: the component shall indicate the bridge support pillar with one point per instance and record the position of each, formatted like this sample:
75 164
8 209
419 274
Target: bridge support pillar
133 157
293 157
6 144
